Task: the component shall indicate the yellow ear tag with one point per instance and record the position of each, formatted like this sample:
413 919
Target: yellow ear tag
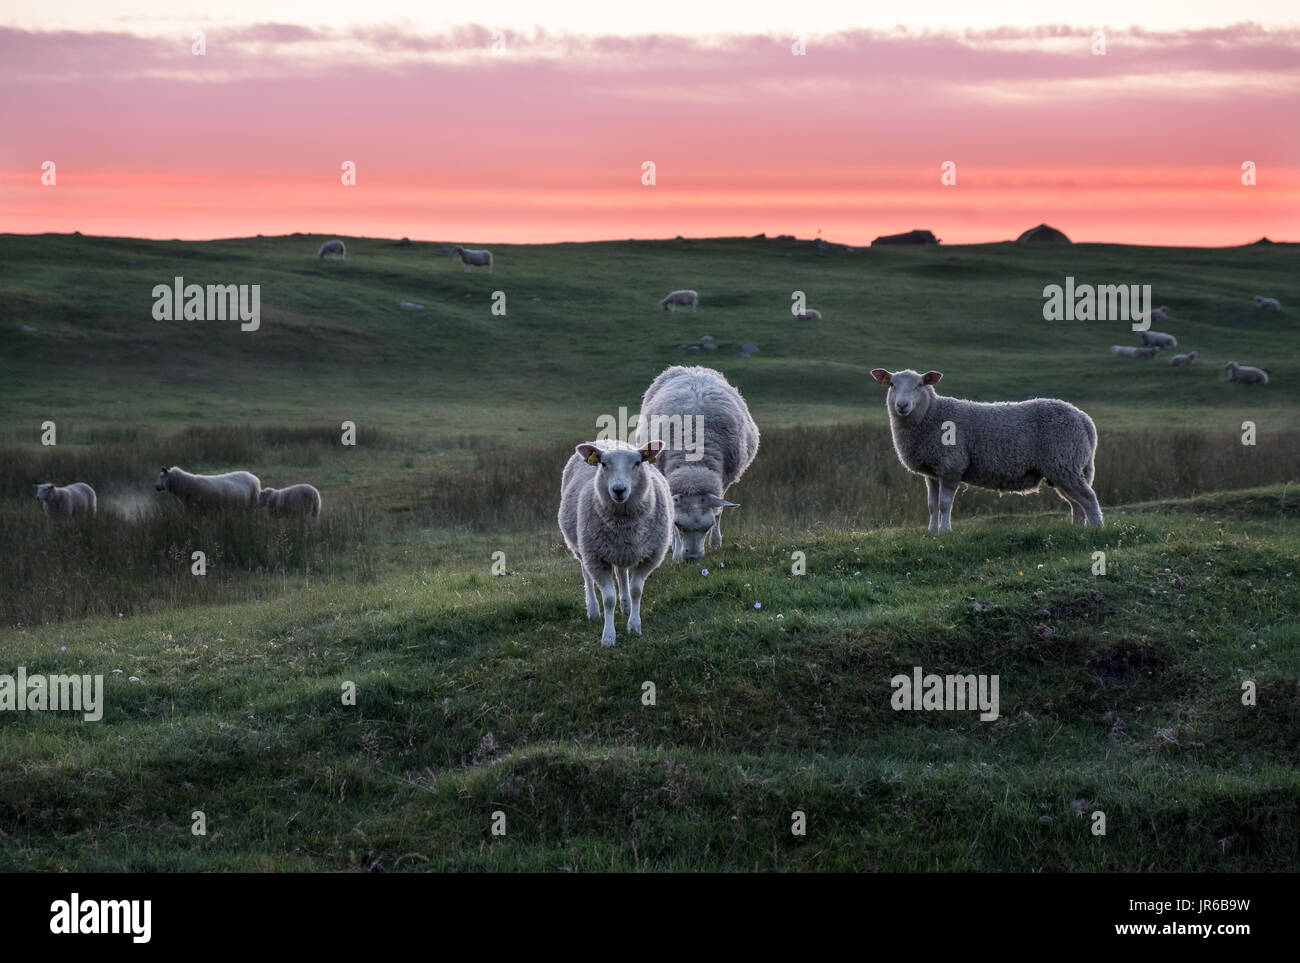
885 381
593 459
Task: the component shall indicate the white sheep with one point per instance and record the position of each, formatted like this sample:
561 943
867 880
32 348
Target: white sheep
474 258
1184 360
716 440
616 518
809 314
1160 313
332 249
681 298
1267 304
233 489
296 500
75 499
1159 339
1011 446
1245 374
1128 351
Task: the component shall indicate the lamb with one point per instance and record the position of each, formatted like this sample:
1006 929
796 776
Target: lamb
1008 446
1246 374
716 441
1159 314
1127 351
1184 360
1267 304
75 499
331 249
616 518
233 489
1159 339
474 258
296 500
809 314
682 298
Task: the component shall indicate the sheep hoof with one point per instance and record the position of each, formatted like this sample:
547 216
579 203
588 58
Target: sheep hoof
607 640
634 627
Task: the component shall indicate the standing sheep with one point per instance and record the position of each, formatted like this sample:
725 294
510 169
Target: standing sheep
75 499
716 441
233 489
1128 351
1009 446
1160 313
683 298
296 500
1184 360
474 258
1245 374
1159 339
616 518
1267 304
333 250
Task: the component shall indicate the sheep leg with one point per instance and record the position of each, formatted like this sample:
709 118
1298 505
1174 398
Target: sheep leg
946 494
677 545
639 576
589 587
932 502
604 577
715 533
624 589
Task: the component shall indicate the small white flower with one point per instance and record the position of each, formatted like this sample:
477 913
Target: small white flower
134 678
704 571
758 605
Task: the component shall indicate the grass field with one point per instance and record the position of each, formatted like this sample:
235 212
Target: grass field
480 694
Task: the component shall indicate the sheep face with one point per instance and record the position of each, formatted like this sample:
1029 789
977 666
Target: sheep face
909 392
264 496
43 491
161 483
694 517
620 471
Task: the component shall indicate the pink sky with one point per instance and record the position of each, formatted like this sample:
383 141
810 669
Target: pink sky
545 141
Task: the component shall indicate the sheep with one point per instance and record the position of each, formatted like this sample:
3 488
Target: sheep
616 518
1127 351
1245 374
300 500
233 489
75 499
1267 304
1184 360
1007 446
809 314
474 258
331 249
1159 339
682 298
1160 313
716 442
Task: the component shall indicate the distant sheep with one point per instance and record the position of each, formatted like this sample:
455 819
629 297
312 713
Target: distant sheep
809 314
716 440
1011 446
1267 304
474 258
1159 339
75 499
683 299
1246 374
1128 351
233 489
1184 360
296 500
332 249
616 516
1160 313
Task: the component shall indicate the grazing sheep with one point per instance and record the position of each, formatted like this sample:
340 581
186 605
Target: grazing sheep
616 517
1128 351
331 249
75 499
1011 446
809 314
296 500
1246 374
716 441
682 298
1160 314
1159 339
1184 360
233 489
474 258
1267 304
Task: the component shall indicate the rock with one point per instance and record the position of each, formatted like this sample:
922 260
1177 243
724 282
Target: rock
820 244
915 236
28 328
749 348
692 347
1044 632
412 304
709 346
536 299
1043 233
706 337
404 242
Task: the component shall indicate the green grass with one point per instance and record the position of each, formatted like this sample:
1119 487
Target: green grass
480 694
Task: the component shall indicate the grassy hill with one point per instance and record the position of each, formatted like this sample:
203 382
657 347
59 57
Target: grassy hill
477 694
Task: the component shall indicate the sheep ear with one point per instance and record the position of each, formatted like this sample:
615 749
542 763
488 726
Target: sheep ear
881 375
717 502
651 451
931 377
590 454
